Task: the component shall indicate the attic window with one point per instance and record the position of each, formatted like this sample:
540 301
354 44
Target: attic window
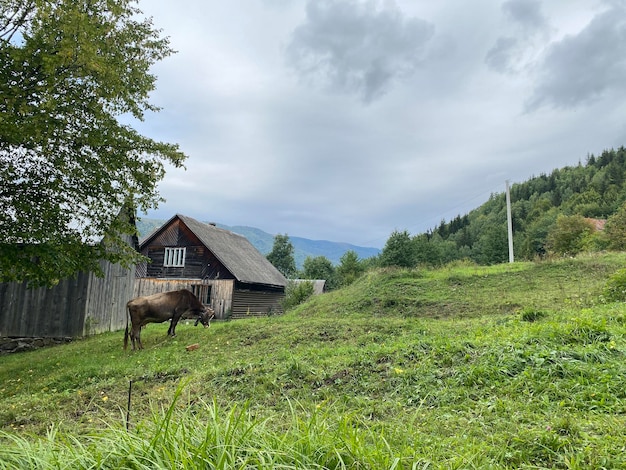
174 258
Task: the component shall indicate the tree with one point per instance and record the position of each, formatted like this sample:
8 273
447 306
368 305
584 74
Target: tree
281 256
398 250
569 235
320 267
615 230
350 268
70 71
492 246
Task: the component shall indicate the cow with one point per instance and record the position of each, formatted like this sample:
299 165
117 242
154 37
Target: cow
158 308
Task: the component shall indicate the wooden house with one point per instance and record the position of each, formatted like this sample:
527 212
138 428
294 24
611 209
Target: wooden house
221 267
76 307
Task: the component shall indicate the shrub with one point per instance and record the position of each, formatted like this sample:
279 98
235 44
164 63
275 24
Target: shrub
615 230
615 287
297 293
570 235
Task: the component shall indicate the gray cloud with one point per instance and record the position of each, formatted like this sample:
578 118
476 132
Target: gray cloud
357 47
584 67
510 53
500 56
527 14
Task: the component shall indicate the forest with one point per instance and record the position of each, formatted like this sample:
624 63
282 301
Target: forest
573 209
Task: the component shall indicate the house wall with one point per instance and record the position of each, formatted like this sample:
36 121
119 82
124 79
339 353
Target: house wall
221 296
248 303
228 300
200 263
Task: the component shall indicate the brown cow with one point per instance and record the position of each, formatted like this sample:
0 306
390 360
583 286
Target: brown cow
158 308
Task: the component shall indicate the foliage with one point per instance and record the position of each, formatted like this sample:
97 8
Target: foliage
70 70
393 371
615 288
569 235
615 229
281 256
297 293
319 267
350 268
398 250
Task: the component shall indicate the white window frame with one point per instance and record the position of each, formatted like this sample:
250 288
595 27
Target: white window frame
174 257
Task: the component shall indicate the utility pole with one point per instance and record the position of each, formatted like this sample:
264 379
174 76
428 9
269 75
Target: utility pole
509 221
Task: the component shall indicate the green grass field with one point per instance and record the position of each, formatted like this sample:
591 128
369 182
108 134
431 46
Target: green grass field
509 366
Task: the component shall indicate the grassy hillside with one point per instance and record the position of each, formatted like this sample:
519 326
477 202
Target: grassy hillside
508 366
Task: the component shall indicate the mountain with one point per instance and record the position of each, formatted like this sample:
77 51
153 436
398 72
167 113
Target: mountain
263 241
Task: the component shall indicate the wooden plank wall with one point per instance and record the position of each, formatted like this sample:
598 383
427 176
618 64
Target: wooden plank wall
256 303
73 308
56 312
221 291
105 309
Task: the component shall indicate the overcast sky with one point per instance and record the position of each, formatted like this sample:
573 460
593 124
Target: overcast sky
344 120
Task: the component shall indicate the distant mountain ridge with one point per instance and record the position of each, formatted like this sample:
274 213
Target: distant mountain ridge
263 241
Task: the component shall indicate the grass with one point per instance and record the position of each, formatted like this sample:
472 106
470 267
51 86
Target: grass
510 366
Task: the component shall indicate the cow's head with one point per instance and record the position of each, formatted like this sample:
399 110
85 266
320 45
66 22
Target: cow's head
205 317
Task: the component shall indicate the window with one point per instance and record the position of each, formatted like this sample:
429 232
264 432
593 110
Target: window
174 258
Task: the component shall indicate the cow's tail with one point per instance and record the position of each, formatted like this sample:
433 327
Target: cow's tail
126 332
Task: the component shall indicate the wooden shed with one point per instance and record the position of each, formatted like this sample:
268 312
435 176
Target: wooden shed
81 306
221 267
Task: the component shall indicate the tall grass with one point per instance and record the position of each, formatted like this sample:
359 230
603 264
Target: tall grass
208 436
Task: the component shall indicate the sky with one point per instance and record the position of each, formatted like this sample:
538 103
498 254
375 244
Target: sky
345 120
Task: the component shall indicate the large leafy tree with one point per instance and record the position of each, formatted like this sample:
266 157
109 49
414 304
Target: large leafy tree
350 268
319 267
71 73
398 250
282 257
569 235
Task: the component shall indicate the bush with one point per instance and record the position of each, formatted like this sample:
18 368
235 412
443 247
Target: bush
615 287
615 230
570 235
297 293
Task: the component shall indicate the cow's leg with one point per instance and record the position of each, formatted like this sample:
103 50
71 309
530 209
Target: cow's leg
135 337
172 329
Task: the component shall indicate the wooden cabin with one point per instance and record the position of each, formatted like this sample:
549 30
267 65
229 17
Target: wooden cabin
221 267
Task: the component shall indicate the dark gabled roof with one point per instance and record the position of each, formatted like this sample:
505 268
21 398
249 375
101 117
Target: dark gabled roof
234 251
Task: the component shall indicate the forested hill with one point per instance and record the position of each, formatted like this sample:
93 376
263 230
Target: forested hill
545 210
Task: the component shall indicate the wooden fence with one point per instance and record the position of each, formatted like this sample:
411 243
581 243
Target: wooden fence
76 307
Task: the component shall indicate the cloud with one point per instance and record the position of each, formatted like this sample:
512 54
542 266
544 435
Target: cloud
582 68
357 47
527 14
515 53
500 56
